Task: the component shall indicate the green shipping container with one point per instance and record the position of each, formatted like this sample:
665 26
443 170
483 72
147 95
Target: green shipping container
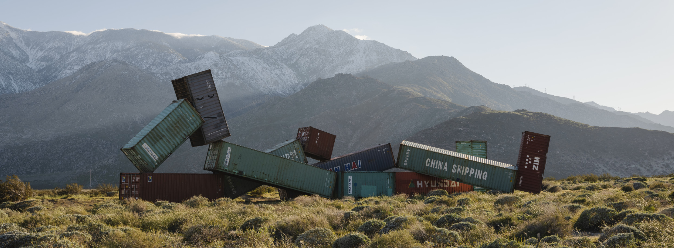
360 184
269 169
455 166
165 133
475 148
291 149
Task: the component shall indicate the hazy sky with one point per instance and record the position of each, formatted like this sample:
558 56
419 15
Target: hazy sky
616 53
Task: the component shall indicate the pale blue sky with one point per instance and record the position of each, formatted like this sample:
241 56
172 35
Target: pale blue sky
616 53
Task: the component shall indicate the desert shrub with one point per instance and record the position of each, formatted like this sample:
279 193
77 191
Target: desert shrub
72 189
631 219
359 208
531 241
620 216
463 202
377 212
550 239
105 207
139 206
671 196
579 201
463 226
447 220
443 236
502 222
592 178
658 185
621 240
254 223
77 236
260 191
583 242
546 225
317 237
349 216
395 223
11 227
438 192
627 188
554 189
295 225
620 206
593 219
430 200
22 206
593 187
351 240
669 212
201 235
103 189
371 227
13 189
400 238
573 207
639 185
43 219
509 200
35 209
621 228
196 201
501 243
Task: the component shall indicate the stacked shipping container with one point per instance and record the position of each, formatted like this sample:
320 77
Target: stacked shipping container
531 161
475 148
317 144
173 187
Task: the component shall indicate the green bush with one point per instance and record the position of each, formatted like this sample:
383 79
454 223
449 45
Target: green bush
196 201
317 237
620 206
447 220
438 192
201 235
509 200
627 188
502 222
395 223
550 239
631 219
555 189
620 216
400 238
443 236
463 226
254 223
595 218
72 189
371 227
621 228
292 226
621 240
464 202
351 240
13 189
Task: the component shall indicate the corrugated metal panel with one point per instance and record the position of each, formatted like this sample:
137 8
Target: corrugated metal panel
269 169
365 184
531 161
475 148
317 144
165 133
238 186
378 158
414 183
199 90
455 166
173 187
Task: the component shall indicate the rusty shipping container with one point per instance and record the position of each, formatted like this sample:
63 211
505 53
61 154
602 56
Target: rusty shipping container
173 187
269 169
411 183
531 161
162 136
317 144
477 148
378 158
455 166
238 186
360 184
199 90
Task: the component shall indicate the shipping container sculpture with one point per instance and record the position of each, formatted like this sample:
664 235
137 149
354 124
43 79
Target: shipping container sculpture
269 169
199 90
531 161
411 183
378 158
360 184
317 144
475 148
173 187
162 136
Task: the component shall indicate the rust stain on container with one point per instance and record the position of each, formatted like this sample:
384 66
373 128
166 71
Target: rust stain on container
317 144
531 162
199 90
411 183
173 187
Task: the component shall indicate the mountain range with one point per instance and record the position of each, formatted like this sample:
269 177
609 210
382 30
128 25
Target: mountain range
84 96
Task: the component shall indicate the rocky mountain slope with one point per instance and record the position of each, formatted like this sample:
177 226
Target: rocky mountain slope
575 148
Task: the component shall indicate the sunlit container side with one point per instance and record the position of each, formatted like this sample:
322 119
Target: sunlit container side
237 186
360 184
165 133
291 149
475 148
269 169
378 158
199 90
531 161
411 183
173 187
317 144
455 166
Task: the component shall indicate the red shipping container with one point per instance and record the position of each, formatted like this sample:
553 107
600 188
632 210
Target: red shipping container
173 187
414 183
531 162
317 144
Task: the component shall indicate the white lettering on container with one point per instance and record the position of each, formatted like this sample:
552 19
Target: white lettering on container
350 185
229 152
150 152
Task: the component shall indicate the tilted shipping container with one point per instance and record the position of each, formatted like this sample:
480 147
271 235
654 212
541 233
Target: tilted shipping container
411 183
199 90
165 133
531 161
378 158
173 187
360 184
455 166
269 169
317 144
475 148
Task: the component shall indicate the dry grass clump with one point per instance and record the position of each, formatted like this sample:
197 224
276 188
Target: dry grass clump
593 219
